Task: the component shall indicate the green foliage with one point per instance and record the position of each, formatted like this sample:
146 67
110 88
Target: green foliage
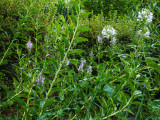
69 69
106 6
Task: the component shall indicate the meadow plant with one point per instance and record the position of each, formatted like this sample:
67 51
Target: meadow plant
89 69
29 45
81 66
108 31
145 15
116 80
40 81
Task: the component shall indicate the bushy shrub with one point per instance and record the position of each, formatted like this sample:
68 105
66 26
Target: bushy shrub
21 21
98 6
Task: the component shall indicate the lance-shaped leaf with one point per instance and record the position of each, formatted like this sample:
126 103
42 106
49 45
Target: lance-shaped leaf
153 65
80 40
76 51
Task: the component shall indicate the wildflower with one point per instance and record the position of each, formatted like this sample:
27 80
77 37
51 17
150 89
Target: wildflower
67 61
137 76
146 15
136 53
145 33
91 53
81 66
89 70
113 40
99 39
140 32
29 45
40 80
108 31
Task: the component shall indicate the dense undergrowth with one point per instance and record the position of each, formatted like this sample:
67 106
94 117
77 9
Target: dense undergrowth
80 59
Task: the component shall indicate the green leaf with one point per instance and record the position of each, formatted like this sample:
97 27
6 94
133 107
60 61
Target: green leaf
49 101
83 29
76 51
38 37
66 41
73 61
61 51
16 35
37 53
80 40
9 53
4 62
53 62
15 83
5 88
74 18
6 103
122 117
85 14
29 29
42 102
108 89
153 65
128 110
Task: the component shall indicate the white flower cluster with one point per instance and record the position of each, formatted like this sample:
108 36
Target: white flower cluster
146 15
146 32
108 31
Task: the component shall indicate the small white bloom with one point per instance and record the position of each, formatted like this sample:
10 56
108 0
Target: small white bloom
145 32
137 76
146 15
108 31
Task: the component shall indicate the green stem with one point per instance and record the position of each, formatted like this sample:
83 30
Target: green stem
61 64
119 110
139 108
6 52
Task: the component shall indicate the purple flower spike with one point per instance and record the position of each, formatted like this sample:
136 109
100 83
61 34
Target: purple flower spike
81 66
89 70
29 45
99 39
114 40
40 80
67 61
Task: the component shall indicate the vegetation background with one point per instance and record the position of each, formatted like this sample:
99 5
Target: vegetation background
55 62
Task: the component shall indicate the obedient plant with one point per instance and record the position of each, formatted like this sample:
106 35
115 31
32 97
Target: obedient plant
29 45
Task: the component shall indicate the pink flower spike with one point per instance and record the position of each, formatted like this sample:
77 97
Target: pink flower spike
29 45
99 39
114 40
67 61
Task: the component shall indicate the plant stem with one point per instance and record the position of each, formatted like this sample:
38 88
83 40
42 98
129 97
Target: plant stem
61 64
6 52
119 110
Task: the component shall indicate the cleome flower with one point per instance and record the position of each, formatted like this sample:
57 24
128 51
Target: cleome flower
108 31
145 33
146 15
